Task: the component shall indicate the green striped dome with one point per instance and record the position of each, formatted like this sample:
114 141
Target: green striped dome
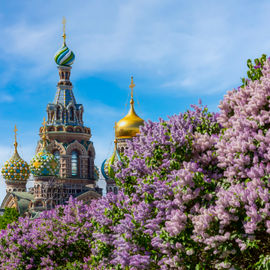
64 56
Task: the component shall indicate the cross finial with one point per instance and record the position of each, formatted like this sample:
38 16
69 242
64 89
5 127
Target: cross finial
44 132
15 143
44 124
132 85
15 131
64 29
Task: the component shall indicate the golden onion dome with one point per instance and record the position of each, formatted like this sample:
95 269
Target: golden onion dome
129 126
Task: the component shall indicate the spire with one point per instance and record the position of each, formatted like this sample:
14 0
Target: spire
131 86
128 126
64 110
64 31
15 154
15 142
44 134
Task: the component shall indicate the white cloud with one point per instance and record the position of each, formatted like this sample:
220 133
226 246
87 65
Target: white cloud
171 43
99 110
6 98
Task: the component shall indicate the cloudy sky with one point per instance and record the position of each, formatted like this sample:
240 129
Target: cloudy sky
178 51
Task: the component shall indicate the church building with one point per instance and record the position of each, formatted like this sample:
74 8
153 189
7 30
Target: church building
63 165
64 160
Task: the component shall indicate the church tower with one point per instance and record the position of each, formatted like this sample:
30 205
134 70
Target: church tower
67 137
63 165
125 129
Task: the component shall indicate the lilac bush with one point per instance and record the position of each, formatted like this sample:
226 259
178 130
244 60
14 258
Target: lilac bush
241 212
167 175
194 194
58 237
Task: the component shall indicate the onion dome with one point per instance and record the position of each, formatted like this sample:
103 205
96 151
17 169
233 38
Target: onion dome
108 166
44 163
129 126
16 169
64 56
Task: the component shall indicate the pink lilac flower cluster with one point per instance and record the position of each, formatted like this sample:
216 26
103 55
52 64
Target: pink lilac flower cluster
194 194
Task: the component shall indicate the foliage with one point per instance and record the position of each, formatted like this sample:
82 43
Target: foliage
254 70
10 215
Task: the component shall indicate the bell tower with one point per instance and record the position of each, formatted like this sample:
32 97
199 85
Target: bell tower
68 138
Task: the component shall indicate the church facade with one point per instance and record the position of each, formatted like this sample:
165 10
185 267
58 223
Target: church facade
64 160
63 165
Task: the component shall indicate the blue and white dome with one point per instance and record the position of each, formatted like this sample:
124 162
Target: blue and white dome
64 56
108 166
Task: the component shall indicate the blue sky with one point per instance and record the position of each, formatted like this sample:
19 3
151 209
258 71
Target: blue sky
178 51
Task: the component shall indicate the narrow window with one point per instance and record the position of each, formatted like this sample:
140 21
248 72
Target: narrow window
58 114
74 163
71 114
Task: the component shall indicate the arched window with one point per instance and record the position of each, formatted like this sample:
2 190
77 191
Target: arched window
57 154
71 114
115 190
58 114
74 163
91 166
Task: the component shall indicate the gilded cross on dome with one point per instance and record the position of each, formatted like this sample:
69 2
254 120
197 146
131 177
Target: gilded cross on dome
64 29
15 131
44 124
132 85
15 143
44 132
